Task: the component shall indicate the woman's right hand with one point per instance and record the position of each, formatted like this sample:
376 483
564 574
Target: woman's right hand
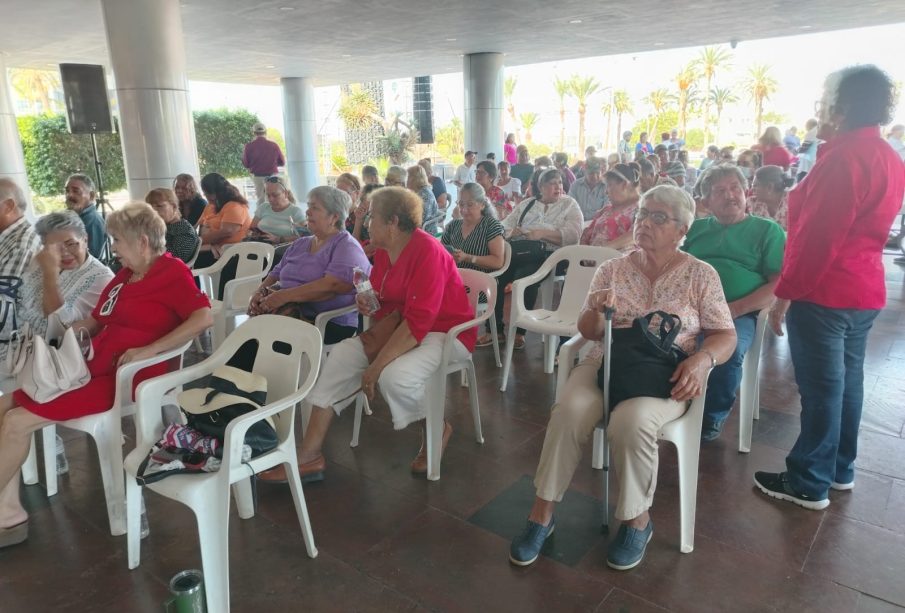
777 315
602 299
362 209
254 305
48 259
361 302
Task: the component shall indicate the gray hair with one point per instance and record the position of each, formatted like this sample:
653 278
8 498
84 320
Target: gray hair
336 201
61 221
477 193
717 173
677 199
396 173
83 178
10 189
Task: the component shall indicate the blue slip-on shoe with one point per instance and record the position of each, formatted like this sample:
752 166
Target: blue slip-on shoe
776 485
627 549
526 547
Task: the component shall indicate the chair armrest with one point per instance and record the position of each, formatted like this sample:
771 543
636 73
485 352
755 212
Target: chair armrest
322 319
125 374
569 350
519 285
233 285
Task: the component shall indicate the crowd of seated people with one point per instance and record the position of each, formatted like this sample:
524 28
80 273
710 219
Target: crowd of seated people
714 245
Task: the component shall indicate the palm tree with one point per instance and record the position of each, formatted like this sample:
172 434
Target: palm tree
582 88
710 60
529 120
622 104
760 86
659 100
685 82
508 91
607 109
35 86
720 97
562 90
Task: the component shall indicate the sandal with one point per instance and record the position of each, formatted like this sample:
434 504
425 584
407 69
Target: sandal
486 340
419 464
14 535
519 342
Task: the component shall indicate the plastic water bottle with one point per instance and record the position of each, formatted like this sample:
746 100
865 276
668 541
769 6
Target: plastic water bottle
363 288
62 462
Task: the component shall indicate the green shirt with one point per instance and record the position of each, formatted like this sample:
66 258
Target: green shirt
744 254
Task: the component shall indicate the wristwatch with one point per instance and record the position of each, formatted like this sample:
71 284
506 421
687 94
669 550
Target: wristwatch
474 259
710 355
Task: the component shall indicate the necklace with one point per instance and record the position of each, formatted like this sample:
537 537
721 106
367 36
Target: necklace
136 277
663 268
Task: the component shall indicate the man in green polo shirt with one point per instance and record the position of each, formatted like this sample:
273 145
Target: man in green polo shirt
746 252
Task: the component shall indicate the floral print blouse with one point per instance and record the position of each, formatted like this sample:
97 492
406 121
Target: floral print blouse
608 225
782 213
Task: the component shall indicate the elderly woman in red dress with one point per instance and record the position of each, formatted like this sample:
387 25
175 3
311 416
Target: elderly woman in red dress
150 306
415 276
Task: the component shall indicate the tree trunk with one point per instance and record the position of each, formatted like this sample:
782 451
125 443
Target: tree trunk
606 138
707 113
582 110
562 127
758 115
511 109
618 127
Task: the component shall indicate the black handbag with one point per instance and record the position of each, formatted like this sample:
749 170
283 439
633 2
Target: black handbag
527 251
261 436
642 361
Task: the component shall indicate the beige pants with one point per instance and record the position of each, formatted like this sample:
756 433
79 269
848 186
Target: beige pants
260 193
632 434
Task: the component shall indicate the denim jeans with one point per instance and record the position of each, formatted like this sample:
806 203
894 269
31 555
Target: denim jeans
827 347
722 386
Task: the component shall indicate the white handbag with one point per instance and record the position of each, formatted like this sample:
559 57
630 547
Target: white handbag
45 372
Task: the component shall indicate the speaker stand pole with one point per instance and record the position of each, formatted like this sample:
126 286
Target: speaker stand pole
101 200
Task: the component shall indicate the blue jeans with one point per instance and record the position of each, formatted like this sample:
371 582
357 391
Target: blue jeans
827 347
722 386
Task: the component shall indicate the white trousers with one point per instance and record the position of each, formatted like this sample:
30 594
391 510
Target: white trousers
402 383
632 434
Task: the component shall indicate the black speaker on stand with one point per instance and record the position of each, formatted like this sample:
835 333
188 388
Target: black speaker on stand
88 112
423 108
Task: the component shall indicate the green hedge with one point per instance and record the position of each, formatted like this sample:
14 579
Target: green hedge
52 153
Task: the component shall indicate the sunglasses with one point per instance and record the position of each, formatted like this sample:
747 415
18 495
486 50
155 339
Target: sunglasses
659 218
277 180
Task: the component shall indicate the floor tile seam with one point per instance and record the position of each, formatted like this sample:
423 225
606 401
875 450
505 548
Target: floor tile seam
636 596
607 595
880 598
804 562
361 571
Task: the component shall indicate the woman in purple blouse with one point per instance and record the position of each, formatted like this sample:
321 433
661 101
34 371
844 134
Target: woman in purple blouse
315 274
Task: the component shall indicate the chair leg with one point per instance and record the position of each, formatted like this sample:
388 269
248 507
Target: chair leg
436 399
360 401
245 502
49 441
213 536
598 448
108 438
133 523
473 398
496 342
301 508
507 364
688 453
30 466
550 350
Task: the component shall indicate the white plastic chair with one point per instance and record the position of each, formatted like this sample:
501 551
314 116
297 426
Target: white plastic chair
106 430
476 283
684 433
194 258
507 260
254 262
285 345
749 391
583 263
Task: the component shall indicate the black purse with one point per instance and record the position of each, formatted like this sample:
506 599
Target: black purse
527 251
642 361
261 436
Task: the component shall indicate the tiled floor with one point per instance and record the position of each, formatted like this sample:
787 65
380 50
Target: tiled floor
389 541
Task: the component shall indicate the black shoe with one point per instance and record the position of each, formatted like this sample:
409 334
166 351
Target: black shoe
526 547
776 485
710 432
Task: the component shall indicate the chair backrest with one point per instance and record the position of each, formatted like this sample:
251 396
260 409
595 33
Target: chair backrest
254 260
583 263
477 283
507 260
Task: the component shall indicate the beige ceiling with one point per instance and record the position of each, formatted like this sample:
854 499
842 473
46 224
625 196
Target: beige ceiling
338 41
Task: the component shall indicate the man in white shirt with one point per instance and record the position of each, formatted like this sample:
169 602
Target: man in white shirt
625 149
590 191
466 172
807 153
895 139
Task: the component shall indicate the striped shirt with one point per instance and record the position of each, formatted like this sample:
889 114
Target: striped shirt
590 199
18 245
476 243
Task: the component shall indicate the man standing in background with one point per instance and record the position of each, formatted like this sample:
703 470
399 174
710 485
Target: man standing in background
261 157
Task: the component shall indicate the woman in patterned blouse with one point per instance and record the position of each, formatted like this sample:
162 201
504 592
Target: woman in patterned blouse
476 240
769 195
612 225
485 175
655 277
182 241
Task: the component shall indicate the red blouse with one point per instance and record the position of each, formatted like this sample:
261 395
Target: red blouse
839 220
425 286
777 155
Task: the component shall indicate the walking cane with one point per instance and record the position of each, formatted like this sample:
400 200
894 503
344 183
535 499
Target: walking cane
607 347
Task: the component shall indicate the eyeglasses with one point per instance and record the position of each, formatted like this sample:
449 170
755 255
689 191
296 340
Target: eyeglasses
108 305
468 204
277 180
659 218
70 245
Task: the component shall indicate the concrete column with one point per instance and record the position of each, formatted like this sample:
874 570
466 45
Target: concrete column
483 76
145 42
300 132
12 162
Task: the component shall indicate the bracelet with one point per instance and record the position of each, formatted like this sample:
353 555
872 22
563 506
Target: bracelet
474 260
710 355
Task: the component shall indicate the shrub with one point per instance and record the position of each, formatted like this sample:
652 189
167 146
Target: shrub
221 136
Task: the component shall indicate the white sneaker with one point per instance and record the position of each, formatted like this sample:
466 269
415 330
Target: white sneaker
842 487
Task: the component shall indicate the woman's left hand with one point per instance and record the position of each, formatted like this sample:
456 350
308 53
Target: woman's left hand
460 256
689 377
134 355
275 300
48 258
369 380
